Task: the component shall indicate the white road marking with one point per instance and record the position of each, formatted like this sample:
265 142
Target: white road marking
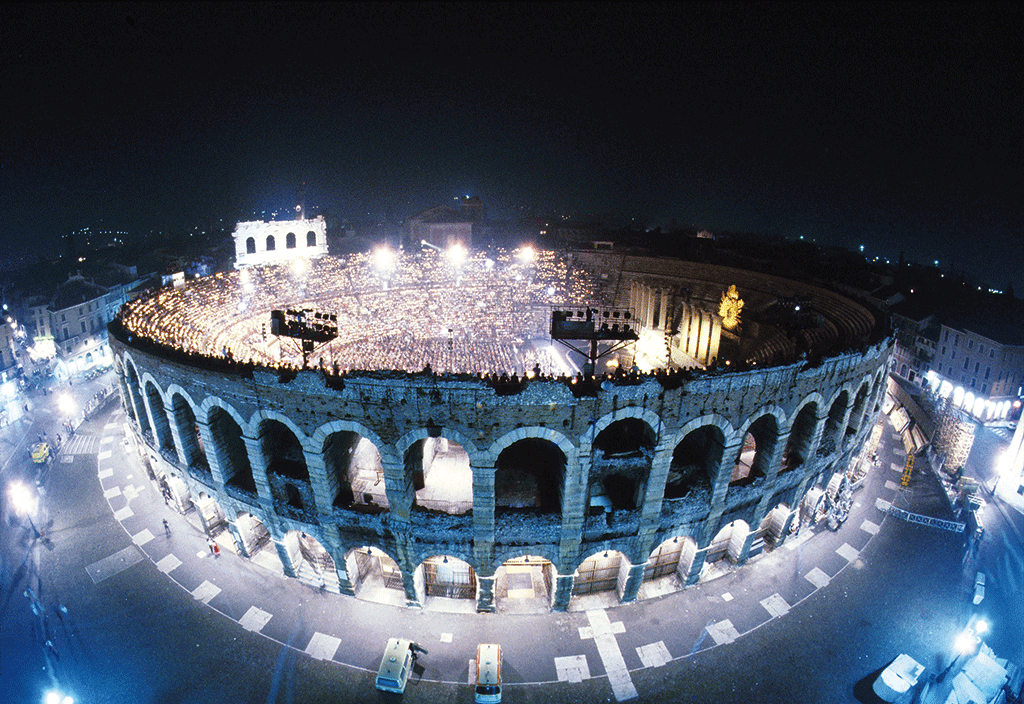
323 646
168 564
848 552
205 591
723 632
775 605
603 632
124 513
142 537
654 655
572 668
869 527
818 578
255 619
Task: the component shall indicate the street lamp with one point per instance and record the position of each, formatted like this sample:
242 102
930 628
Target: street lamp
66 404
24 501
55 697
966 644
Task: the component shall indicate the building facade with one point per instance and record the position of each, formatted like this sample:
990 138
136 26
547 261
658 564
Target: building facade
263 242
983 376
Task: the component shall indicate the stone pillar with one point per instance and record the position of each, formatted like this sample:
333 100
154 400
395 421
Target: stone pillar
563 591
696 567
398 487
206 435
176 438
134 396
574 504
258 463
284 556
483 513
633 582
236 534
322 494
651 297
485 594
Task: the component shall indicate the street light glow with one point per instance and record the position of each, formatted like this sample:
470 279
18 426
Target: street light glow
66 404
21 497
457 254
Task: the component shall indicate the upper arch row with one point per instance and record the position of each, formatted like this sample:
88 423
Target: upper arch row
314 442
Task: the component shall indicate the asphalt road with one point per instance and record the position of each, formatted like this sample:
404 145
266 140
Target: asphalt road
139 635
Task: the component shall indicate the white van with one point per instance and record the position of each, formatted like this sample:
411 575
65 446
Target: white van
395 666
488 673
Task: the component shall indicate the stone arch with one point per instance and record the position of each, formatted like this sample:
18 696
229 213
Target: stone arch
754 460
857 413
601 571
228 448
154 400
353 470
375 575
282 453
800 439
136 397
697 455
652 419
126 399
250 245
271 244
310 560
670 561
311 239
621 458
438 471
187 428
530 474
289 241
835 423
728 542
445 576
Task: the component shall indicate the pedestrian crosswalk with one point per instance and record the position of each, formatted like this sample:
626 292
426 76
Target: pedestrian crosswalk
80 445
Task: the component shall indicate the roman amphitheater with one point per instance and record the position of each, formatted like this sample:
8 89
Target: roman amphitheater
440 450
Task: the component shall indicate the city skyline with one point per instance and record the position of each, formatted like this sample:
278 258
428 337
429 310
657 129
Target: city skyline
892 128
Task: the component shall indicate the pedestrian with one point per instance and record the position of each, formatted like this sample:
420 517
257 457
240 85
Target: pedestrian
321 582
211 544
167 528
216 549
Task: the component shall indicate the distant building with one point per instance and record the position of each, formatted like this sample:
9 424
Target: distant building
983 375
262 242
72 326
441 227
7 358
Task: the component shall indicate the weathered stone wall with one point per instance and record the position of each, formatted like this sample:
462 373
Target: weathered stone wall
395 410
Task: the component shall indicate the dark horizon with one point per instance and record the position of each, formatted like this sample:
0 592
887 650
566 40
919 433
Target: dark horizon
896 128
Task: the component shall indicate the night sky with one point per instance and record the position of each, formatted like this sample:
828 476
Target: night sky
888 127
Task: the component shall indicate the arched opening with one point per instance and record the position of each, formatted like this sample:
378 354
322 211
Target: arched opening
355 472
188 431
530 474
695 463
668 567
727 546
256 540
601 572
289 240
756 453
524 585
311 239
271 246
621 466
211 516
446 577
441 474
857 414
135 400
310 560
229 451
286 467
775 524
88 357
832 435
800 437
162 430
374 576
250 245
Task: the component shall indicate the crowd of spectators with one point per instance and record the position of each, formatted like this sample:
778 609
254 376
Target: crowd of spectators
482 315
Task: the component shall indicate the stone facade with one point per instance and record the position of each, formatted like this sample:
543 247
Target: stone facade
267 242
224 434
